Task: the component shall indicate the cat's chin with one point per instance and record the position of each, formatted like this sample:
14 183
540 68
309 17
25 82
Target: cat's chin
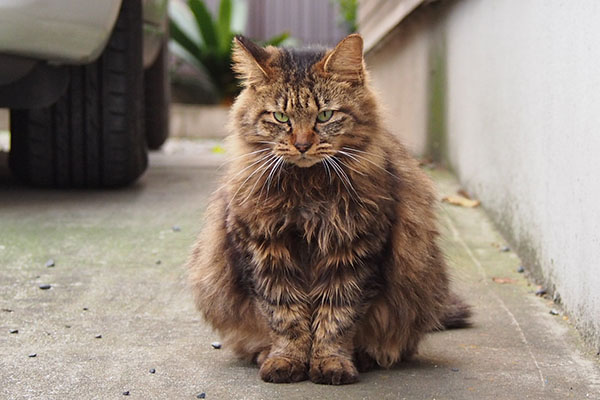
305 162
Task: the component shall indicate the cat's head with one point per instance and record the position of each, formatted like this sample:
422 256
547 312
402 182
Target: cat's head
304 104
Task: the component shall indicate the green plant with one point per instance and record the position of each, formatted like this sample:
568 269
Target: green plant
348 12
205 41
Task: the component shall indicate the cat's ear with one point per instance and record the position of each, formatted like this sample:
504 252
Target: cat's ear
345 62
250 60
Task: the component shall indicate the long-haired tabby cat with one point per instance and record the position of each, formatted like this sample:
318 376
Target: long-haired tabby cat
319 254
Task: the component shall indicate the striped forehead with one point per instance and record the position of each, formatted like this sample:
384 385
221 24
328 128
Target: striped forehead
296 64
298 99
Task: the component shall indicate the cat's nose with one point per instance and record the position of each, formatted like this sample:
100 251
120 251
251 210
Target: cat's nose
302 147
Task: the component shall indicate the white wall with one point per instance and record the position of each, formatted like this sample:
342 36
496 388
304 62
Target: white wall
523 128
522 124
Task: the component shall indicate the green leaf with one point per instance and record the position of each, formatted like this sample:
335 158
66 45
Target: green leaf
182 39
205 24
180 14
276 40
224 26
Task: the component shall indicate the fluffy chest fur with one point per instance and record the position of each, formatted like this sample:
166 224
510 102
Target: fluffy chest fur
309 209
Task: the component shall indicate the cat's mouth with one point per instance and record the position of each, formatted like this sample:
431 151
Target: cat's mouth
304 160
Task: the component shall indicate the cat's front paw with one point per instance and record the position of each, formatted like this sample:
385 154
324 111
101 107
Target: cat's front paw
278 369
333 370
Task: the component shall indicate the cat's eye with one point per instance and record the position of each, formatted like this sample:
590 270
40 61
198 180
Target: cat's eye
281 117
324 115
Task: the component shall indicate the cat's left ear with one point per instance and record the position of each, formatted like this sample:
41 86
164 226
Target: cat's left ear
250 61
345 62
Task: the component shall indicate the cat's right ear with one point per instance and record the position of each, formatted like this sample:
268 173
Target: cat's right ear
250 61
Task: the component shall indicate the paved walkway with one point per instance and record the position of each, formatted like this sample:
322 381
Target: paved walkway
118 308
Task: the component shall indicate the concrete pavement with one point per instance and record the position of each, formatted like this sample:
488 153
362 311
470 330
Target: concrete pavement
118 274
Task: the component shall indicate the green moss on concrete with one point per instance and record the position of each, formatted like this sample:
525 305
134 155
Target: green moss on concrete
436 121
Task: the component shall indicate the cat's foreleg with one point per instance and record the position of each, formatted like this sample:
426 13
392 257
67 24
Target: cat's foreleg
341 295
281 299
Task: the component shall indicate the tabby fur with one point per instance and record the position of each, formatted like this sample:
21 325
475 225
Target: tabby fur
318 263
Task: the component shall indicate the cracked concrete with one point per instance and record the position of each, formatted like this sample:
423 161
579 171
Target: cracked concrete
119 274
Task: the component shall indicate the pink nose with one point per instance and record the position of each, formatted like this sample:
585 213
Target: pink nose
302 147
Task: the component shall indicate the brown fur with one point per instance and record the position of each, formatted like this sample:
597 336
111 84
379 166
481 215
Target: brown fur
313 268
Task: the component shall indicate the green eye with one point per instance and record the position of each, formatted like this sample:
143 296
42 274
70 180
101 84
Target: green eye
324 116
281 117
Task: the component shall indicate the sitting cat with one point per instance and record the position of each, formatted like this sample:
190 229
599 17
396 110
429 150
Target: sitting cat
319 254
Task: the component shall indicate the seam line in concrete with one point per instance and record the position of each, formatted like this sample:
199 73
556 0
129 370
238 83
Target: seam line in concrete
481 270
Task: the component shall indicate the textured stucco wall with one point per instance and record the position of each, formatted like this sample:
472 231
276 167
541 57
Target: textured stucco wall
404 95
522 125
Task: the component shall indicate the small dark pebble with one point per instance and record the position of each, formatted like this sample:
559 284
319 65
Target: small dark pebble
521 269
554 312
158 262
126 393
50 263
32 355
455 369
98 336
540 292
201 395
14 331
152 370
505 249
45 286
216 345
176 228
85 308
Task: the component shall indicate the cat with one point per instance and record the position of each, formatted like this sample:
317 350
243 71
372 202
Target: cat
318 258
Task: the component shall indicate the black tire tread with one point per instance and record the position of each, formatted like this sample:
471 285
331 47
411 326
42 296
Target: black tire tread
94 135
157 98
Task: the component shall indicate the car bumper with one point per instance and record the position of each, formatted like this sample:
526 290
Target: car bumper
61 31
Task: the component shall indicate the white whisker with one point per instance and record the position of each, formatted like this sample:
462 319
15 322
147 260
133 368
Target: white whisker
227 161
348 166
367 160
326 166
269 159
242 171
344 178
265 169
272 173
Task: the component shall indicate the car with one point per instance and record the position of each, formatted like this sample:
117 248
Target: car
86 82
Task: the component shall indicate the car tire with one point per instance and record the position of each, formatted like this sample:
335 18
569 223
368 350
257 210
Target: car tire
157 98
93 136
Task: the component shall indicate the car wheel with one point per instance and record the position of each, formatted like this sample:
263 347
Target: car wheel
93 136
157 97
